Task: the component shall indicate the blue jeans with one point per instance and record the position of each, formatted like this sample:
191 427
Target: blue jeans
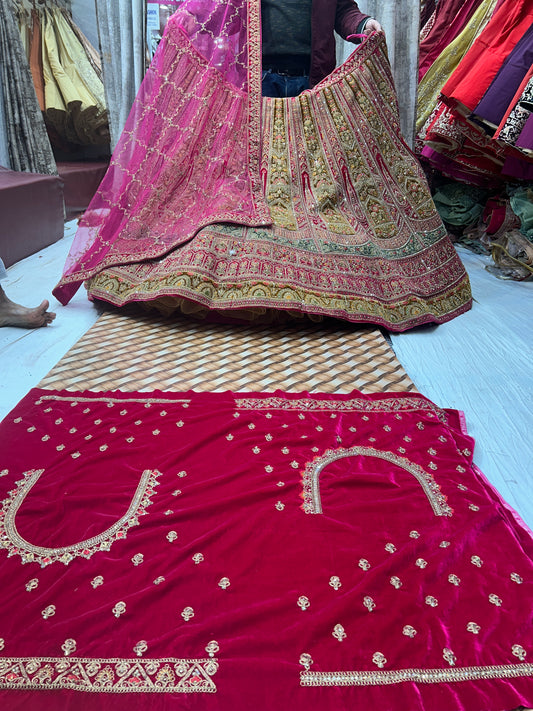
281 85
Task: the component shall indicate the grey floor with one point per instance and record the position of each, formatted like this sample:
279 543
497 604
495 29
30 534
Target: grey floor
480 363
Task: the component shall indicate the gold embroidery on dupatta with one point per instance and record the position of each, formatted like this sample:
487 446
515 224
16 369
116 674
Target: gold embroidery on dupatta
311 478
12 541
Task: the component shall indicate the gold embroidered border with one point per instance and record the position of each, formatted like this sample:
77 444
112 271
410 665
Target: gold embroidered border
397 404
311 477
114 400
116 676
418 676
12 541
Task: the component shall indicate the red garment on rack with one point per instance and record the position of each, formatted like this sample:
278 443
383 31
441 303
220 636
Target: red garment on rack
466 86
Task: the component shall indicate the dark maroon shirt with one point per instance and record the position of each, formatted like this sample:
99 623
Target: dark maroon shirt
343 16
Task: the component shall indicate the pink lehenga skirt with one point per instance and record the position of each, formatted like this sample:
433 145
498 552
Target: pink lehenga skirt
355 233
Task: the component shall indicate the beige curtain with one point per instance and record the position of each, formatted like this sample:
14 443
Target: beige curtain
27 141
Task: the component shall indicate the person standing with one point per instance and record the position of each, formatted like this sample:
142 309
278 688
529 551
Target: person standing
298 44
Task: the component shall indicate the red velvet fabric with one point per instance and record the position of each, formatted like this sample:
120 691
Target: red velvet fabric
287 551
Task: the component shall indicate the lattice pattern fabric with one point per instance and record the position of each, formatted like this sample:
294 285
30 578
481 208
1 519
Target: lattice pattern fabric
134 352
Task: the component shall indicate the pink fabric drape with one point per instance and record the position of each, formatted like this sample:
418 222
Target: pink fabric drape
206 77
228 552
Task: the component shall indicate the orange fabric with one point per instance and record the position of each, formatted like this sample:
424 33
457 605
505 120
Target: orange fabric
36 59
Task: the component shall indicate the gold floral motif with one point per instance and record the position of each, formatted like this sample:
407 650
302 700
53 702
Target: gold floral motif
229 437
224 583
396 582
449 656
11 540
421 563
97 581
335 582
182 474
140 648
414 534
280 483
294 464
417 676
2 644
454 579
32 584
476 560
269 469
339 633
198 558
137 559
168 512
473 507
517 578
306 660
280 505
68 646
495 600
473 627
409 631
390 548
48 611
444 544
353 404
432 451
285 450
187 614
116 676
519 652
119 609
4 472
256 450
176 492
303 602
431 601
311 477
251 426
369 603
364 564
160 579
212 648
171 536
379 659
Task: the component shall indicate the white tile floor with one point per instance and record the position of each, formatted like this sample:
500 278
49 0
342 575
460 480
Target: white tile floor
480 362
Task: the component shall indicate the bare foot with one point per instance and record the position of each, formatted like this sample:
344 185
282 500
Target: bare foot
12 314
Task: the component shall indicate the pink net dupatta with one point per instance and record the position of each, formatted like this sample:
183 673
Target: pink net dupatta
189 153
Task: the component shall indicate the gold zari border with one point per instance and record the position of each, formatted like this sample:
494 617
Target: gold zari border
418 676
311 477
116 676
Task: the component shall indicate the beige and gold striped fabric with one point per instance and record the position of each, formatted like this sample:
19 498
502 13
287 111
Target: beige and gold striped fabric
132 352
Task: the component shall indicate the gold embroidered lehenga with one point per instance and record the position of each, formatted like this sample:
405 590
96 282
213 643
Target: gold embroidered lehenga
220 201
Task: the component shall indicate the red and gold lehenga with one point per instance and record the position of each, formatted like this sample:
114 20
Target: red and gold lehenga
220 201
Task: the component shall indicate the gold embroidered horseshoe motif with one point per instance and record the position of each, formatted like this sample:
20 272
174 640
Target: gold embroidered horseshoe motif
12 541
311 477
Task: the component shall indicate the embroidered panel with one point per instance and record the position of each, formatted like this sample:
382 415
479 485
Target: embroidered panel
226 553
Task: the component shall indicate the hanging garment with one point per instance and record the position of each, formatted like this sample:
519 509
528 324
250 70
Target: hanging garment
466 86
450 20
230 552
74 94
312 205
446 63
499 95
